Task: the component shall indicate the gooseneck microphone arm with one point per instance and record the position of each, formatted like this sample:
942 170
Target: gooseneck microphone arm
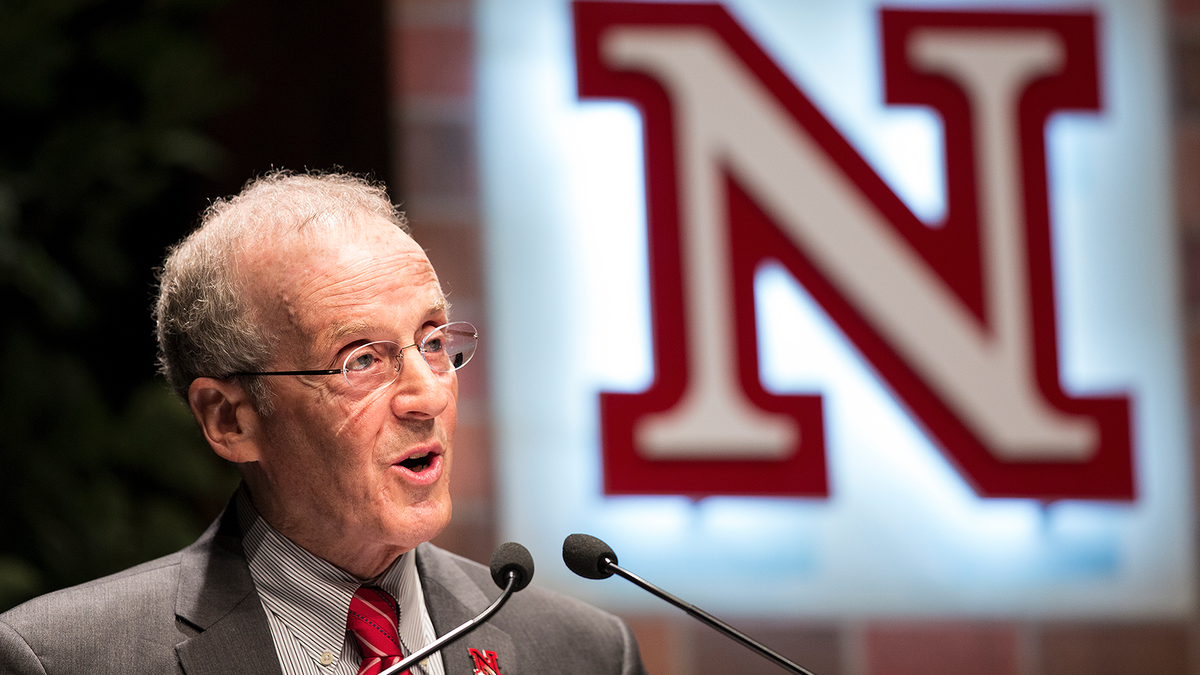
512 568
710 620
589 557
453 635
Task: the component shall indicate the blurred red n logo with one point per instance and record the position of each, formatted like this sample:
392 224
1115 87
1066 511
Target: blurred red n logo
958 320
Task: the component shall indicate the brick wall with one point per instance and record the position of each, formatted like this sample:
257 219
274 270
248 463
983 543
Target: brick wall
432 66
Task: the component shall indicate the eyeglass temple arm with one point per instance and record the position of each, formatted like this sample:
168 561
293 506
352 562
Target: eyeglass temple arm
291 372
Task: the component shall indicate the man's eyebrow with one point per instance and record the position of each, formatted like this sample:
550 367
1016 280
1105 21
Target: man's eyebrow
349 329
441 306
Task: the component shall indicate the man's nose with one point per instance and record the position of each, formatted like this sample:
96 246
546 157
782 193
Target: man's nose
421 392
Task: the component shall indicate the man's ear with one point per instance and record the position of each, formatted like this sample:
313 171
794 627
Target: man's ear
227 417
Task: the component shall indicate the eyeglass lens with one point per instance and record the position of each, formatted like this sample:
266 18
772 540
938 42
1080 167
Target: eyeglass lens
378 364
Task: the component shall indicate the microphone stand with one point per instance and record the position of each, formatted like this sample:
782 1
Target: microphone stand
458 632
707 618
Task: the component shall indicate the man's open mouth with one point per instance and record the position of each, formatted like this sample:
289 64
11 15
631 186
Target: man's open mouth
418 463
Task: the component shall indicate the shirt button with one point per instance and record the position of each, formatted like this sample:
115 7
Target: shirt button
326 658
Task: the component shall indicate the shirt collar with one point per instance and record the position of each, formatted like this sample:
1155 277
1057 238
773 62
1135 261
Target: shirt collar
311 596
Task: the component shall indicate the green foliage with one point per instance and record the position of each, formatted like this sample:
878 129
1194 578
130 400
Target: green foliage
102 106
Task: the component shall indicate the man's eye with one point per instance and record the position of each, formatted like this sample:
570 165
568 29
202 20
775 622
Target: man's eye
360 361
434 344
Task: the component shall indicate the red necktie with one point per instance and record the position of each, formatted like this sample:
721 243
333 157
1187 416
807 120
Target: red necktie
373 623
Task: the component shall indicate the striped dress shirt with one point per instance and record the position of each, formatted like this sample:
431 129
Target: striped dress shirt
307 600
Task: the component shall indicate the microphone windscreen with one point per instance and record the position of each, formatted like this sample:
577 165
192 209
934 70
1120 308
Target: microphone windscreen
588 557
512 557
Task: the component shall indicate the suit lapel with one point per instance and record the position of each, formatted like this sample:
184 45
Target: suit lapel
217 598
452 599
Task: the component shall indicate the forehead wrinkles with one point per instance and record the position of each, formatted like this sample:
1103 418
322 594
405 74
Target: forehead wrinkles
349 280
310 290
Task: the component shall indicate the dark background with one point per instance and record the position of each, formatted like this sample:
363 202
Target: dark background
119 121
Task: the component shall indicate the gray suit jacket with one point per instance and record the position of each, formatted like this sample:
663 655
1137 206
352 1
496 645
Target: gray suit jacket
197 612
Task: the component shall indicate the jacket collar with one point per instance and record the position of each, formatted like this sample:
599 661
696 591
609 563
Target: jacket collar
217 602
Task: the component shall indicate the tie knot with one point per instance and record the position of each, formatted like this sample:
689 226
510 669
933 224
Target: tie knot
373 621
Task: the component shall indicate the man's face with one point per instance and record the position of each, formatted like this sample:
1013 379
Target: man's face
341 471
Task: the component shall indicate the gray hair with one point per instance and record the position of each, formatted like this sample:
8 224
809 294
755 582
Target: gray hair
206 326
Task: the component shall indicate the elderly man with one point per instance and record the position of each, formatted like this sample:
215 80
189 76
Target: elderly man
311 339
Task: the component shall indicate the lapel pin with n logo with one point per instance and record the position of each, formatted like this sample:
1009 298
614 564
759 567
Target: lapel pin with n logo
485 662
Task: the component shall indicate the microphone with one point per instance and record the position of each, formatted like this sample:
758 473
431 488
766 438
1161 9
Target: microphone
509 559
591 558
588 557
512 570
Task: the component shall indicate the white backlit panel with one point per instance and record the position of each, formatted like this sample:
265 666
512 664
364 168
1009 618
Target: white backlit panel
901 533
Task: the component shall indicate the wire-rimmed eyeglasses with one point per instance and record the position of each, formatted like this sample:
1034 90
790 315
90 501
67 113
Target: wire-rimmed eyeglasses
377 364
